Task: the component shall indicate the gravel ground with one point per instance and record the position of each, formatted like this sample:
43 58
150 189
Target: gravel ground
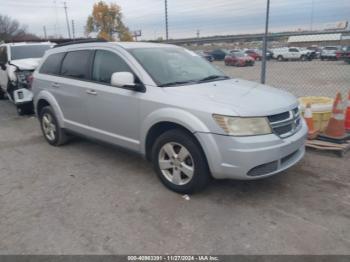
311 78
89 198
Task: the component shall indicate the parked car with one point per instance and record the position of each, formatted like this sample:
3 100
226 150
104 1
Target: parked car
329 53
238 59
254 54
169 105
219 54
205 55
291 53
17 63
317 51
344 54
269 54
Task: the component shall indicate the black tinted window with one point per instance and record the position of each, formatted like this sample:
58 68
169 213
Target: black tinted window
3 54
76 64
52 64
105 64
293 50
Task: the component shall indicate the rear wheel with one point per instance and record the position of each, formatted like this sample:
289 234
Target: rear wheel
303 58
50 127
280 58
2 94
179 162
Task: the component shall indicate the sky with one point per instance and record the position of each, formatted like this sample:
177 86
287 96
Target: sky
209 17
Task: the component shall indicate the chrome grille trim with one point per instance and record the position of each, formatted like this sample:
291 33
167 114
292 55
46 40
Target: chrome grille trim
291 123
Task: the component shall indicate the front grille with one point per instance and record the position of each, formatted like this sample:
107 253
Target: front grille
285 124
263 169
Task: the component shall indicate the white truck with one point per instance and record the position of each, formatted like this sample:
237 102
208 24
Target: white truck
292 53
17 64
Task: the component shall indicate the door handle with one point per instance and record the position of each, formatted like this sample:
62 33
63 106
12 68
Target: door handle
55 85
91 92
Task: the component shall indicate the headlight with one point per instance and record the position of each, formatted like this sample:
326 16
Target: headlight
22 76
238 126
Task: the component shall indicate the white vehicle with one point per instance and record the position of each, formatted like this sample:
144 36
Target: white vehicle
291 53
329 52
17 64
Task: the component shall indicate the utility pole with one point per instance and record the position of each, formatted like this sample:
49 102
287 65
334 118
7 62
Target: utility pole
312 15
73 29
263 62
166 21
45 35
67 20
198 33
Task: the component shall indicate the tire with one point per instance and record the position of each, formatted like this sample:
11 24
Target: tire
50 127
322 58
2 94
303 58
167 149
227 63
25 109
280 58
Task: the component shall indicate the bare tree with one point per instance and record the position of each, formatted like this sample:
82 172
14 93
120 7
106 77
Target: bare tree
11 30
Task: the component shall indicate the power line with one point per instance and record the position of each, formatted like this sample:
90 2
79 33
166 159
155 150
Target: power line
67 20
166 21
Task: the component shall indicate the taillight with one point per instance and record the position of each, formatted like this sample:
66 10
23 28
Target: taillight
30 81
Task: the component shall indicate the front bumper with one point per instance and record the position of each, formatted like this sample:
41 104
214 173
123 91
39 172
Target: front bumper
22 96
252 157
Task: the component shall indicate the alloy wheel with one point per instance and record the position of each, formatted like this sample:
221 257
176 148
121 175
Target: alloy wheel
176 163
49 127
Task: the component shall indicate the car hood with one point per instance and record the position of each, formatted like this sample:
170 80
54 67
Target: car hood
244 98
26 64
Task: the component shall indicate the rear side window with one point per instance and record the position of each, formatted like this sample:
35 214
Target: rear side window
52 64
76 64
293 50
105 64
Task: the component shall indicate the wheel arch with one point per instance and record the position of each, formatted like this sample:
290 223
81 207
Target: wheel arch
46 99
166 119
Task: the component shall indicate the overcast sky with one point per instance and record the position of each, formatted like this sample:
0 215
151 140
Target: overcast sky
211 17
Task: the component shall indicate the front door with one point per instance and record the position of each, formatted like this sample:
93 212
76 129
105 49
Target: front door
113 111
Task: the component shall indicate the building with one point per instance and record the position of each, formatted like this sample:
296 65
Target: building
334 39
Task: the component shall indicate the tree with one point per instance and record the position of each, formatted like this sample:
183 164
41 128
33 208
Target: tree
11 30
107 20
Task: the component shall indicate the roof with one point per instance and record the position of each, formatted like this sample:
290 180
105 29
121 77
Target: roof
29 43
314 38
131 45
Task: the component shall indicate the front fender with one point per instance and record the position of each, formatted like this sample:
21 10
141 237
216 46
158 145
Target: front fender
48 97
174 115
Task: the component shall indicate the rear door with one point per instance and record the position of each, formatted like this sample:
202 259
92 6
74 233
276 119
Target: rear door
113 111
69 87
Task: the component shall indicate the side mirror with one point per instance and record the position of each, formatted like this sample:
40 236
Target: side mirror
2 66
123 79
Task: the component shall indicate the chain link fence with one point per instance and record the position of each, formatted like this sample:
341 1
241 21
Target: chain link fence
303 64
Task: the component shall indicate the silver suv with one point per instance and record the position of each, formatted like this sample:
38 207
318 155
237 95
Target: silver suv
171 106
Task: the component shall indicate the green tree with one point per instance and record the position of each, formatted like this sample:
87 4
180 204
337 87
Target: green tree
107 20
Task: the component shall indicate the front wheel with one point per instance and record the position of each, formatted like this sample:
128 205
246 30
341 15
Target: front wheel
50 127
180 162
280 58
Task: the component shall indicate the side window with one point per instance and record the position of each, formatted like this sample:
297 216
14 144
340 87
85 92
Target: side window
76 64
293 50
52 64
105 64
3 54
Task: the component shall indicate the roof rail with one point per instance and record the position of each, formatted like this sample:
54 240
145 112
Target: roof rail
94 40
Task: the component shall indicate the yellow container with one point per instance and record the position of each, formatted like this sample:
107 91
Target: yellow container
321 110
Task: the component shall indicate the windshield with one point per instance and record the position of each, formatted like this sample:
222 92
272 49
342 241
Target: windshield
170 66
239 54
28 51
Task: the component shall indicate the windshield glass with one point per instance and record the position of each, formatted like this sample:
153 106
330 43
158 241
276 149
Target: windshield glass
171 65
28 51
239 54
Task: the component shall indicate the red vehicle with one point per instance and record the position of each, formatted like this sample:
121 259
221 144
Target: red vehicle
238 59
255 55
344 54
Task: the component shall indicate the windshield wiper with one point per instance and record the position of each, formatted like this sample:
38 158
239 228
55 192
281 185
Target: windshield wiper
177 83
213 77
